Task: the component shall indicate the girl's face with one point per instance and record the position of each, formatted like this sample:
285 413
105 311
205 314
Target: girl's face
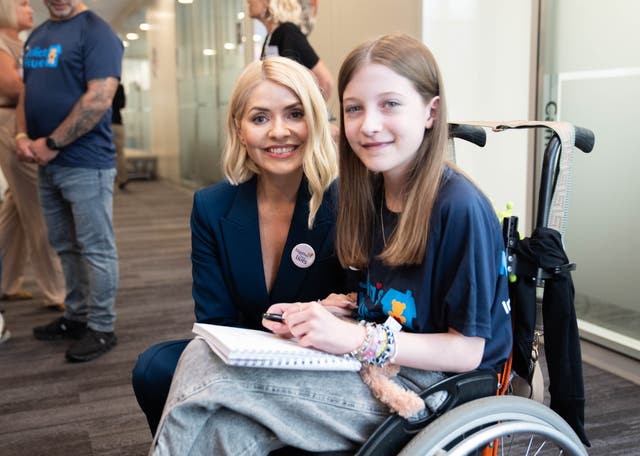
385 119
273 129
257 8
24 15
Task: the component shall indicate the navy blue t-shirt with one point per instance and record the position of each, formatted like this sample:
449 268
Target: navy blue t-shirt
60 58
462 283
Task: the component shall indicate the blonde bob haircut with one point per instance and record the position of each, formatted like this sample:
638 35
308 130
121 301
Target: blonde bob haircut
8 16
411 59
280 11
319 163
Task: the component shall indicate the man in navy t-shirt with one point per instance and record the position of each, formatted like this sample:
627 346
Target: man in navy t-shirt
72 64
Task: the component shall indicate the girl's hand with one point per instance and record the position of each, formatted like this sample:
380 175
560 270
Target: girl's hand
315 326
341 304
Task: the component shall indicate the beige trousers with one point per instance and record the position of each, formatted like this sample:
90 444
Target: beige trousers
23 230
121 162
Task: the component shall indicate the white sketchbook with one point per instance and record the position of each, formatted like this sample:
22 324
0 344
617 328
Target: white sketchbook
251 348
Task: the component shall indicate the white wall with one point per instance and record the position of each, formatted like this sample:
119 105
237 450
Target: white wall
164 99
483 48
342 25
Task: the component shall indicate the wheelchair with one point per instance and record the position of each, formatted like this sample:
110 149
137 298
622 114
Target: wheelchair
476 417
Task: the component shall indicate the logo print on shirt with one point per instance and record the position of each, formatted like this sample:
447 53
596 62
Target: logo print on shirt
506 305
503 264
54 53
42 58
376 301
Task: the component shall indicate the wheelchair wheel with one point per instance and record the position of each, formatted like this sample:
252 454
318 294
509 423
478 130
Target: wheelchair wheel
521 427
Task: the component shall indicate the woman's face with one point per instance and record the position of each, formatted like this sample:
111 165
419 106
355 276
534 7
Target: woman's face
385 119
257 8
274 130
24 15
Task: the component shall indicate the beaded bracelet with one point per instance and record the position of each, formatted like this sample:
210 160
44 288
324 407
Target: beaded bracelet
390 343
358 352
377 346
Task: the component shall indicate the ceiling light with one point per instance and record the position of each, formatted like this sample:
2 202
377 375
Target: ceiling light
132 36
185 2
144 27
209 52
240 15
229 46
125 44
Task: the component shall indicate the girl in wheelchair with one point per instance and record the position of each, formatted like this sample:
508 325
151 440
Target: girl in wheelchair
425 248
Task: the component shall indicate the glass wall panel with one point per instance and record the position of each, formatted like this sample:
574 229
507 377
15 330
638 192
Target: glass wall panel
136 115
590 61
210 55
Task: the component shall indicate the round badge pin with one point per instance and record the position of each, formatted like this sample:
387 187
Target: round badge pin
303 255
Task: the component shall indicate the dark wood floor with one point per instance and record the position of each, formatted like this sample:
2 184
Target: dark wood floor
51 407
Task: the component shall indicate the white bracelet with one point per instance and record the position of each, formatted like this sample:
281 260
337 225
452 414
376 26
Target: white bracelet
393 357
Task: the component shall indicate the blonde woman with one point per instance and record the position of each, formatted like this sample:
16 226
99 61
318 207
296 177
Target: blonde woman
22 225
282 19
279 198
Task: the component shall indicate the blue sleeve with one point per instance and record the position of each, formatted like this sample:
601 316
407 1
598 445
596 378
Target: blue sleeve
472 251
213 302
103 51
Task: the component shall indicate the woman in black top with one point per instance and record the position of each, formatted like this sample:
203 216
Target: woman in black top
282 18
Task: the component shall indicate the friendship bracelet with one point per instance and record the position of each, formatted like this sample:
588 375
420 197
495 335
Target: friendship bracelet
358 352
378 345
392 358
390 343
21 135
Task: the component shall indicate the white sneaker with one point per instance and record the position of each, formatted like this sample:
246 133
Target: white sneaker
5 334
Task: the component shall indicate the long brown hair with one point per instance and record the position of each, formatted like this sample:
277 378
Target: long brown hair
359 187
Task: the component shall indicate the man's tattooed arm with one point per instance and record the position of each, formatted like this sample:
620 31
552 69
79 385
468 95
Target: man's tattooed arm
87 111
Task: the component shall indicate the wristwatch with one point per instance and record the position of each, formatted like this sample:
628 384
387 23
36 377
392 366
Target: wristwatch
52 144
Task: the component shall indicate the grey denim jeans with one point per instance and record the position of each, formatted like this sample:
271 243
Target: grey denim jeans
215 409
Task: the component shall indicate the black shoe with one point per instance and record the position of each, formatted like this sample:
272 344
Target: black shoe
60 328
123 185
93 344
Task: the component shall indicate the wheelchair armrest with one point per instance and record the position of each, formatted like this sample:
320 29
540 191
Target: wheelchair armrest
395 432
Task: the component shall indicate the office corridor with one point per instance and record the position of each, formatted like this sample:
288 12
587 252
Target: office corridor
51 407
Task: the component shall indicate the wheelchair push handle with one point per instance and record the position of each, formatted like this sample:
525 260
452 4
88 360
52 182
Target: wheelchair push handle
471 133
585 139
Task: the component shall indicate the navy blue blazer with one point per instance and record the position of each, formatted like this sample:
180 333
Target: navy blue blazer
228 276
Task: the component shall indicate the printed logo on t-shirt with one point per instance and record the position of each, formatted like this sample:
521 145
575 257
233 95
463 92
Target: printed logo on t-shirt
375 301
42 58
503 264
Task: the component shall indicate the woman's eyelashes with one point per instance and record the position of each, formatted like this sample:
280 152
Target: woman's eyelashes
262 118
259 119
296 114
